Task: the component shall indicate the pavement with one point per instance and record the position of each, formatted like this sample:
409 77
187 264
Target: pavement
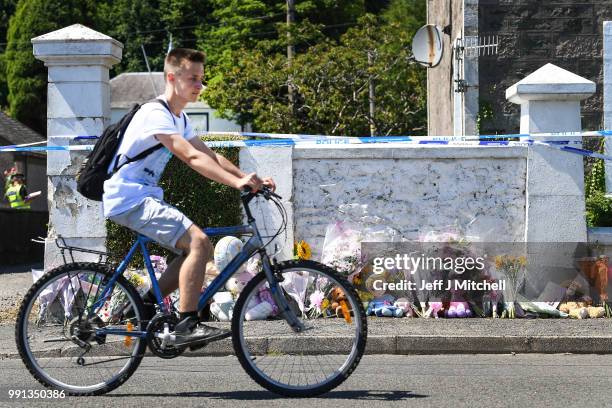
403 335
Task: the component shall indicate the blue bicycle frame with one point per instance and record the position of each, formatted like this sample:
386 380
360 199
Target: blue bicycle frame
253 245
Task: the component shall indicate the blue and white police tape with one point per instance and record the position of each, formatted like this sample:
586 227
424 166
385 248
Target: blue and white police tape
372 139
404 140
309 137
321 140
598 133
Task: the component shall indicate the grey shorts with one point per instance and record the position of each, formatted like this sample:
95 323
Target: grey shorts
157 220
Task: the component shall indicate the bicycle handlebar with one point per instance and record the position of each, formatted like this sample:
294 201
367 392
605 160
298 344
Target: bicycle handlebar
247 193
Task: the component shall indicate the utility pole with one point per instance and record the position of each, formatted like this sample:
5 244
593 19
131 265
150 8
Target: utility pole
371 97
290 50
148 68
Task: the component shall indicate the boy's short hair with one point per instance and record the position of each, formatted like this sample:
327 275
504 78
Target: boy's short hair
177 56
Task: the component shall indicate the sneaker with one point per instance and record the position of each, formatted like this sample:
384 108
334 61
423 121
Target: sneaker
193 335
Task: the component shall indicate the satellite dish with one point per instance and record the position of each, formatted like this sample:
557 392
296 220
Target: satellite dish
427 45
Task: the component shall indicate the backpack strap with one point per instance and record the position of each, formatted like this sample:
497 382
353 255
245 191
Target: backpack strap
171 114
151 149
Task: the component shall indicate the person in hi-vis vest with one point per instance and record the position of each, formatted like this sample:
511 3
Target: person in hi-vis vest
15 190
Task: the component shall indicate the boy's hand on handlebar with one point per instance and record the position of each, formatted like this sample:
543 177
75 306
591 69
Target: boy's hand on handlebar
268 182
252 181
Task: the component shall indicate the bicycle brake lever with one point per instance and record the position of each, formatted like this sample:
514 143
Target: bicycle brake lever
269 193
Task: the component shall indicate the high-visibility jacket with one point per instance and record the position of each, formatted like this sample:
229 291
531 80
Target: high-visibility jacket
13 193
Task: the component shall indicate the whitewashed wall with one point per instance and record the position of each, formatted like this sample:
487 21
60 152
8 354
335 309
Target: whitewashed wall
416 189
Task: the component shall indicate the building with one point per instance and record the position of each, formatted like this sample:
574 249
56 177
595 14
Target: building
529 34
130 88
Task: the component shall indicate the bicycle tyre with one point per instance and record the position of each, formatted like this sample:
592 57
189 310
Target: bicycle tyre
27 305
248 360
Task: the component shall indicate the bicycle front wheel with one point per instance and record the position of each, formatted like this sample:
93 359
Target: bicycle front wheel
310 362
60 331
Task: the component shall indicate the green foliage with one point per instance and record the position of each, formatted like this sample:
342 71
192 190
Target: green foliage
149 23
206 203
410 15
331 84
7 8
261 24
237 23
598 207
596 181
26 76
599 210
485 113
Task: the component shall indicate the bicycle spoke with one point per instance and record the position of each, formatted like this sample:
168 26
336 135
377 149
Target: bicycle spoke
72 356
310 361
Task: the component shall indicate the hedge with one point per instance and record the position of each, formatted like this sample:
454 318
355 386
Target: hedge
206 203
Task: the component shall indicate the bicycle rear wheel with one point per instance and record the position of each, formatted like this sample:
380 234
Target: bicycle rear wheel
58 331
310 362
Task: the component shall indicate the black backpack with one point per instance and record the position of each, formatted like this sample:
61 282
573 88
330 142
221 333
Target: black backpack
93 171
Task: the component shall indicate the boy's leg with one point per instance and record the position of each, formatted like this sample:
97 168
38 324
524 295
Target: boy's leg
197 249
169 281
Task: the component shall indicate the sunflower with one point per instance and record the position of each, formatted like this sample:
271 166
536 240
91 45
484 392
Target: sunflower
301 250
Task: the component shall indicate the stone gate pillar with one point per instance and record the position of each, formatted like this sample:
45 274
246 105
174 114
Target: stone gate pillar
555 221
78 103
550 102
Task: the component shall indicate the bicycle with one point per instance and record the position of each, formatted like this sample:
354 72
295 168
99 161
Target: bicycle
97 316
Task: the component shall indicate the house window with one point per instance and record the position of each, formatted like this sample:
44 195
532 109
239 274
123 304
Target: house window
199 121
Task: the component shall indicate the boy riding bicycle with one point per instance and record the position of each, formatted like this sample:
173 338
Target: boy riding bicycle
132 197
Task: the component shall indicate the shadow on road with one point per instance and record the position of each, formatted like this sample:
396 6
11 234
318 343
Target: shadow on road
363 395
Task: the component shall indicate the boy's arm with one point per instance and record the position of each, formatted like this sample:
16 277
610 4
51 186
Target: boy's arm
206 164
223 162
226 164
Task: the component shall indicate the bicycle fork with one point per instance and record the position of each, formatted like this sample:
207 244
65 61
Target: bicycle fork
277 294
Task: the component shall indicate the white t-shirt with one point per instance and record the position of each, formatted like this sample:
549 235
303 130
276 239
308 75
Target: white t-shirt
137 180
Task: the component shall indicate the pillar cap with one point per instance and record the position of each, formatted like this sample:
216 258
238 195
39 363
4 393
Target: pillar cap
550 83
77 45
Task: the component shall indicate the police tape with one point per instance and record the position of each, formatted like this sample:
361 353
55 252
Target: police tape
369 139
590 133
314 140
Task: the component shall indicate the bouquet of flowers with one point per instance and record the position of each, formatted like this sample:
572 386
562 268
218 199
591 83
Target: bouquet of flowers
513 268
316 307
342 248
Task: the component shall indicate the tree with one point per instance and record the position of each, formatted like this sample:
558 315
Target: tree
331 79
261 24
26 76
7 8
237 23
149 24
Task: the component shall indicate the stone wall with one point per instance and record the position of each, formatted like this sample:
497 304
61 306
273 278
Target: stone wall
414 189
531 34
